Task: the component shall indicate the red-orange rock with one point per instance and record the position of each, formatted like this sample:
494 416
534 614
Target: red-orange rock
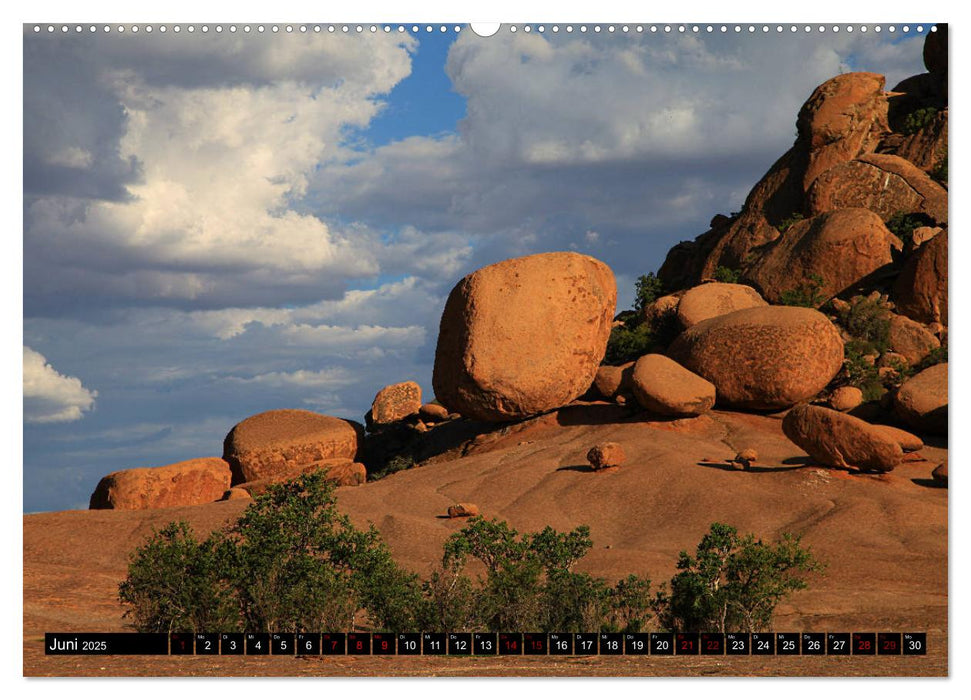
845 398
605 455
836 439
921 401
396 402
844 117
273 443
920 291
343 472
237 494
523 336
884 184
841 247
925 148
908 441
911 339
611 381
715 299
663 386
188 483
940 473
763 358
463 510
433 412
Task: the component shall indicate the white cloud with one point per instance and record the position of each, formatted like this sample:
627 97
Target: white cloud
49 396
222 168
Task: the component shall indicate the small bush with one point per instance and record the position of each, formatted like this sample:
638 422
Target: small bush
290 563
789 221
861 374
628 344
917 120
939 173
177 584
733 582
808 294
727 274
869 323
647 288
529 584
396 464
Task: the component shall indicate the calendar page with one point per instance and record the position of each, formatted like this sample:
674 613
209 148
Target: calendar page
524 349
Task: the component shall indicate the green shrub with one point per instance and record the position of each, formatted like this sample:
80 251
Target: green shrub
529 584
869 323
647 288
733 582
939 172
789 221
290 563
178 584
808 294
918 119
628 344
727 274
861 374
396 464
934 357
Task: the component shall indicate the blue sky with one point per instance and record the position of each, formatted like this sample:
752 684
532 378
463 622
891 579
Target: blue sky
220 225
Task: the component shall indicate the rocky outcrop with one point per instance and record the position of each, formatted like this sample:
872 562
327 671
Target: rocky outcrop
835 439
884 184
715 299
926 148
763 358
275 443
920 290
664 387
841 248
843 119
921 401
523 336
606 455
188 483
395 402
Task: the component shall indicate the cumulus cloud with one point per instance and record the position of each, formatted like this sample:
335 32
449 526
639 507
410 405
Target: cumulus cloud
49 396
221 136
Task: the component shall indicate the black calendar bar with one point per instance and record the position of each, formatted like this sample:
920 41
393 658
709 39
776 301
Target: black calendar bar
458 644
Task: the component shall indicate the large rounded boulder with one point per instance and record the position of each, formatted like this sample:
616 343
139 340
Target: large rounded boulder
188 483
763 358
523 336
840 248
920 291
715 299
836 439
921 401
663 386
274 443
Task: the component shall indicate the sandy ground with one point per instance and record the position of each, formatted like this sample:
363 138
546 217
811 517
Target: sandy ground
884 539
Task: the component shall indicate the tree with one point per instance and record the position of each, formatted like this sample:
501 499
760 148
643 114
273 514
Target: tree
177 584
733 582
647 288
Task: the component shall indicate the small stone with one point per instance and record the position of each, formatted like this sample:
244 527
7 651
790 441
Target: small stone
432 412
745 458
846 398
606 454
463 510
940 473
